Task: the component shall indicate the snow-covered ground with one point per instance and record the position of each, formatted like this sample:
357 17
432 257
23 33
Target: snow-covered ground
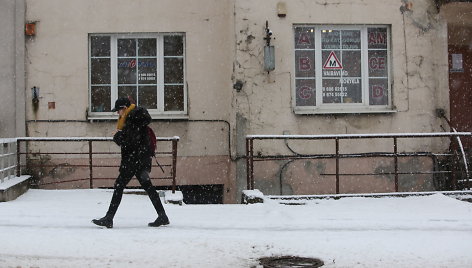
51 228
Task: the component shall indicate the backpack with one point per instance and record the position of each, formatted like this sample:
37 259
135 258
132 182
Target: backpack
152 141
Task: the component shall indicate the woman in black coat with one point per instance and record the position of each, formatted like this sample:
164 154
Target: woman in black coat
136 160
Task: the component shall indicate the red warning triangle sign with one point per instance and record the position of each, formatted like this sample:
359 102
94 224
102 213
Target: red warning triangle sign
332 62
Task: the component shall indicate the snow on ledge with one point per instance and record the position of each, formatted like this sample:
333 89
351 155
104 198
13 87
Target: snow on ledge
253 194
8 140
7 183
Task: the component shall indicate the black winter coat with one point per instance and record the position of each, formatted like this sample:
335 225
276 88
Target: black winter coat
135 143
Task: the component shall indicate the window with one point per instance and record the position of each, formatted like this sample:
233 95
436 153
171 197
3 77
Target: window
342 69
147 67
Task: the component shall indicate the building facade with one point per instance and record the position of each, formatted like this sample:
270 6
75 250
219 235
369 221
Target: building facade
212 72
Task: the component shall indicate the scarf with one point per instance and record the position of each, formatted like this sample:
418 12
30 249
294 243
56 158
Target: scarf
122 119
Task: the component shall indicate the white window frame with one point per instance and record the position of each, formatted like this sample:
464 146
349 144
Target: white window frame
339 108
158 113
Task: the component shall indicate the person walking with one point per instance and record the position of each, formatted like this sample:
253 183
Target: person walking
133 138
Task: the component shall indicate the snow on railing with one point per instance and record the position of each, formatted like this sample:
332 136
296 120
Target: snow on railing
7 159
361 136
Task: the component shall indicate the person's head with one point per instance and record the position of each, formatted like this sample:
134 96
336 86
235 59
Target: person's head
121 104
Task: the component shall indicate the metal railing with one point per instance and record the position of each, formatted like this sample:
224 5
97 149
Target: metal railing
90 153
7 159
395 154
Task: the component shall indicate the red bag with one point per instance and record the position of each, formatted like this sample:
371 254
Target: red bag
152 146
152 143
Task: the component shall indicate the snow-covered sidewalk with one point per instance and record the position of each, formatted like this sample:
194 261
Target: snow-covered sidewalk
51 228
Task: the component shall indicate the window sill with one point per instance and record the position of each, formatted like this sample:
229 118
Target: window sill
110 116
314 111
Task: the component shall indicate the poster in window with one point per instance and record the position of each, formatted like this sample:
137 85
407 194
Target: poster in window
305 92
304 38
304 63
127 71
351 39
333 91
330 39
351 63
353 87
377 38
378 93
147 71
377 62
332 63
342 69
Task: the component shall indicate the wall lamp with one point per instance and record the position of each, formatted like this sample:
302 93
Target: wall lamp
269 53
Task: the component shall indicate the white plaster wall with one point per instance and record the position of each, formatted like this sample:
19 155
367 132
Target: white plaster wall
12 79
57 62
419 66
58 55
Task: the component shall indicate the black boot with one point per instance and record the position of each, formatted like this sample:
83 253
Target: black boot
161 220
105 222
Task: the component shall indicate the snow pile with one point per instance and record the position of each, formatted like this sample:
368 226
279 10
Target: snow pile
51 228
174 198
253 193
252 197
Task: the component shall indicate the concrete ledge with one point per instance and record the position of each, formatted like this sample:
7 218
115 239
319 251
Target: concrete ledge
464 193
10 189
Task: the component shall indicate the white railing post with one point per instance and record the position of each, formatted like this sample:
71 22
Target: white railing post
2 162
11 160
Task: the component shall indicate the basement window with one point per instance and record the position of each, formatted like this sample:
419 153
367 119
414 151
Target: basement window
342 69
148 68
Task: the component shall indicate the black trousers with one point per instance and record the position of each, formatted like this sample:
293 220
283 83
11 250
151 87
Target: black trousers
120 184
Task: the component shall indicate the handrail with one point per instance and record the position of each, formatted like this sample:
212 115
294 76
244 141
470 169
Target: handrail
442 114
7 158
89 151
250 157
